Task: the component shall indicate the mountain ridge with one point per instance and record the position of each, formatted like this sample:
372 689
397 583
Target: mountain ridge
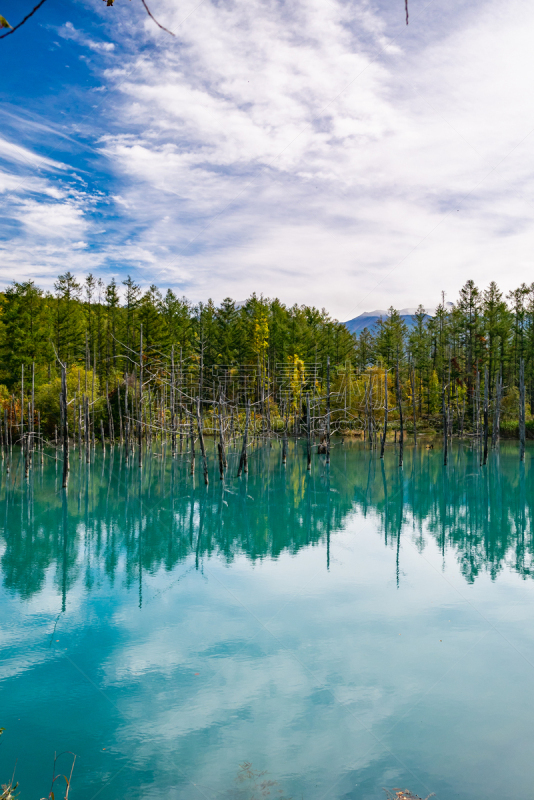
369 318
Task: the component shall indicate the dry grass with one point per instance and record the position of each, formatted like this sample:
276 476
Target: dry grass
9 789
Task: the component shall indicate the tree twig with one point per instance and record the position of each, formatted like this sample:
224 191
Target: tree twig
26 18
152 17
40 3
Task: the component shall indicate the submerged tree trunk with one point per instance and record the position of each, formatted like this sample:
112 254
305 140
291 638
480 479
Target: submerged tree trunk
284 441
497 414
401 421
522 426
243 464
477 408
173 408
384 434
370 416
221 435
121 430
140 413
201 442
412 376
221 461
444 420
486 417
192 434
308 432
64 426
328 410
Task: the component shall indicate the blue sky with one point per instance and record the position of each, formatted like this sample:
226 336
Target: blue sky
319 151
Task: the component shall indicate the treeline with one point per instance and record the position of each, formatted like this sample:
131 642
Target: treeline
459 363
98 326
483 329
461 357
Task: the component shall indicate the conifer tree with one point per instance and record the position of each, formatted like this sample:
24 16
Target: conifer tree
112 312
150 317
469 306
68 319
225 331
133 292
390 337
26 329
497 327
517 299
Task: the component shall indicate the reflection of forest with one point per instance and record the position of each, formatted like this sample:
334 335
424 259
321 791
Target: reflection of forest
119 520
483 513
116 517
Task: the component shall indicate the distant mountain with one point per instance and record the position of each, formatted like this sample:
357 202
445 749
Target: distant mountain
369 318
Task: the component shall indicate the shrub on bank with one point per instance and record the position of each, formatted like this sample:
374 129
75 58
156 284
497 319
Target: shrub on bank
509 429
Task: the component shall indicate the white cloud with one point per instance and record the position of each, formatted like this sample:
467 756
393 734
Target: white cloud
302 152
52 219
313 151
68 31
43 216
14 153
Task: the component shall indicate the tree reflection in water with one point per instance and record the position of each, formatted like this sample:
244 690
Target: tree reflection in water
115 514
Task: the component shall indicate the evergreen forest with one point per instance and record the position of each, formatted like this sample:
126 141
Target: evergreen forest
116 341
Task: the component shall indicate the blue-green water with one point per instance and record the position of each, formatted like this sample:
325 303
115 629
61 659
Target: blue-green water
354 628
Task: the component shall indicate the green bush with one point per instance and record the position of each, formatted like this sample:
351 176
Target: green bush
510 429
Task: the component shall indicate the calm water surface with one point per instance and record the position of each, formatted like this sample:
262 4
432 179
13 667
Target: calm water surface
354 628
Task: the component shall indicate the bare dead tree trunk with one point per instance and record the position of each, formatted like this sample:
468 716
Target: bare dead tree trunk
8 443
222 450
308 432
173 411
370 417
284 440
121 429
140 419
401 420
477 407
64 426
221 461
32 417
93 399
444 419
192 438
41 446
522 426
497 412
412 377
87 432
243 465
486 416
328 410
111 426
201 442
385 432
22 435
449 412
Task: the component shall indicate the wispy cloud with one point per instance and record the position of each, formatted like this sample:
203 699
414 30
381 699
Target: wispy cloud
46 211
14 153
68 31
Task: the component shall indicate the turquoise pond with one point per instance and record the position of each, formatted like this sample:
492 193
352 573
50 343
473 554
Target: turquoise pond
357 627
